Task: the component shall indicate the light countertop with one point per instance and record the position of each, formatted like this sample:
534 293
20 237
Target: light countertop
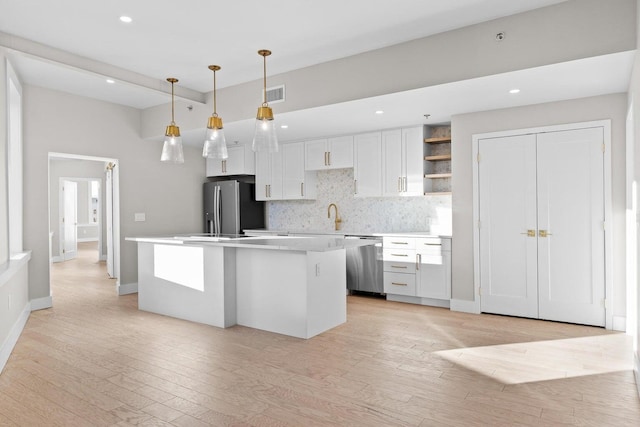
345 233
285 243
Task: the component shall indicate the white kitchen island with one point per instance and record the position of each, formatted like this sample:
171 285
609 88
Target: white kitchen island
294 286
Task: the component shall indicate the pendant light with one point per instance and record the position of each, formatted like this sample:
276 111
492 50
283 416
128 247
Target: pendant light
215 145
172 148
265 138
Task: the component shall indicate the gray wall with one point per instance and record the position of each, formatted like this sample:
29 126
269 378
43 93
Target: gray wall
464 126
169 194
567 31
4 221
74 169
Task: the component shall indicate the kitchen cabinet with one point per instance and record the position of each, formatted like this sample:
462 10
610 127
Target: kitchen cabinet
417 269
241 161
367 165
433 267
399 264
268 175
541 215
297 183
402 162
330 153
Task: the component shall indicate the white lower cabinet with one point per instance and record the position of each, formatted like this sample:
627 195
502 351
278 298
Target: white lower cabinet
434 268
417 269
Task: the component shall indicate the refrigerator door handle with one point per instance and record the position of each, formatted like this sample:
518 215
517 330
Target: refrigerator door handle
216 207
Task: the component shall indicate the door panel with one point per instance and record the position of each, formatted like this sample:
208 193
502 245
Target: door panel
392 184
571 209
507 186
70 220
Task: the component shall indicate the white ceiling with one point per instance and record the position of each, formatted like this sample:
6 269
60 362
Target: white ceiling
181 39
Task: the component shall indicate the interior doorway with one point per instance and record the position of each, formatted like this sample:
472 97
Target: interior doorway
84 212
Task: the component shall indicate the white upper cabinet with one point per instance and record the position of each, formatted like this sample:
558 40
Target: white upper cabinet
331 153
241 161
367 165
268 175
402 162
296 182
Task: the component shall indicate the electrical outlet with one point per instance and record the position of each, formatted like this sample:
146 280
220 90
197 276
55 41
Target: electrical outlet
139 217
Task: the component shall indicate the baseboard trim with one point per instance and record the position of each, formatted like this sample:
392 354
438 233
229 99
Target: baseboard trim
465 306
128 288
87 239
619 323
11 340
103 258
41 303
419 300
57 258
636 370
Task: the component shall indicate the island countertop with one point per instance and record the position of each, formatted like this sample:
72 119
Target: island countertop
283 243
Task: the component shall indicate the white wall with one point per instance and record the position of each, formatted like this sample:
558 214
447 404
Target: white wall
169 194
465 125
359 215
567 31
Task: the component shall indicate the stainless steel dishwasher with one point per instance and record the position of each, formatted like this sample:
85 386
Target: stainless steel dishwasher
364 266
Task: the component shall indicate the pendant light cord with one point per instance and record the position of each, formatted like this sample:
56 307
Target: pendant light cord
215 114
264 80
173 122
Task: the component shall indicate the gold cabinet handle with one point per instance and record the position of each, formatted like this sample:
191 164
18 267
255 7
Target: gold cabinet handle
530 233
398 284
399 184
398 266
329 157
325 159
399 255
418 261
543 233
302 189
399 243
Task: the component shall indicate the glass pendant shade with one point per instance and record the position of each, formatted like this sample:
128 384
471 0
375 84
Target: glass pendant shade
215 144
172 147
264 137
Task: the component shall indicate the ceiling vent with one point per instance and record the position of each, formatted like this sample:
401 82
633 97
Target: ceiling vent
275 94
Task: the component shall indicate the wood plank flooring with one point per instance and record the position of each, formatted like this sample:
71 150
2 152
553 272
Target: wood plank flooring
95 360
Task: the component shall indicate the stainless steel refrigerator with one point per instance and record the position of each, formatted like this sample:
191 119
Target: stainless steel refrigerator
230 207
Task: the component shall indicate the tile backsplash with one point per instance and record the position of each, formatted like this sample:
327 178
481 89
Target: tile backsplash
375 214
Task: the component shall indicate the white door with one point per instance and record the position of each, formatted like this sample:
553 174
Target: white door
109 212
316 155
571 276
392 160
69 220
340 152
367 165
507 207
234 164
293 173
413 158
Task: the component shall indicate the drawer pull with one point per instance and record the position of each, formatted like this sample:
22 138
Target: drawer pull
399 255
398 266
433 244
399 243
398 284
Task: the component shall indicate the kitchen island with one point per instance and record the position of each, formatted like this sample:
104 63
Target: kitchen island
294 286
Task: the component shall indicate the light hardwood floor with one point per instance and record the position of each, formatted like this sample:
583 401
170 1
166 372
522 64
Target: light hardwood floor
95 360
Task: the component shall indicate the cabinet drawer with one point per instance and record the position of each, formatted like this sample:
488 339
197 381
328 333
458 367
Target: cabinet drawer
429 246
398 242
400 284
399 260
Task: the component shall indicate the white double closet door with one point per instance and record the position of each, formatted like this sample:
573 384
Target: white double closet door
541 211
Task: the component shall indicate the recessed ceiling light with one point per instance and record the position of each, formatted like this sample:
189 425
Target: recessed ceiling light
514 91
284 126
111 81
126 19
379 112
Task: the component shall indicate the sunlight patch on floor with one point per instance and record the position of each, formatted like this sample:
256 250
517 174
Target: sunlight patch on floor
547 360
